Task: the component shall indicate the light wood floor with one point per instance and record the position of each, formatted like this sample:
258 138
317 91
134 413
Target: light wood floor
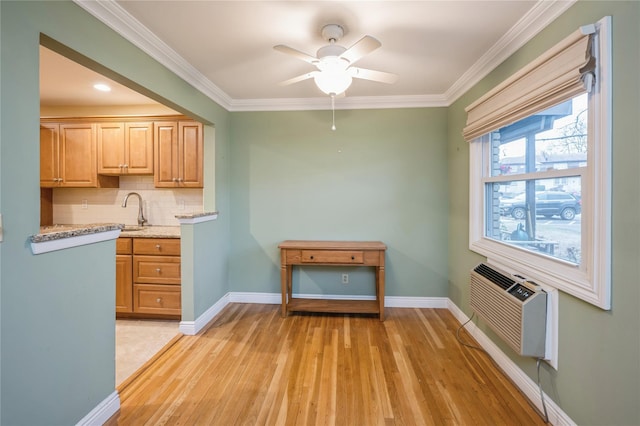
252 367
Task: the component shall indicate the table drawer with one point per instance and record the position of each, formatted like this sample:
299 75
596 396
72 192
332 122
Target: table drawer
156 269
162 246
157 299
333 256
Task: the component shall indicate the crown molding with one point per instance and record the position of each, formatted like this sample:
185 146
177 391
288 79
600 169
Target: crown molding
534 21
324 103
118 19
121 21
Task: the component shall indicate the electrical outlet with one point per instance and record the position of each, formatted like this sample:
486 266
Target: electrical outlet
181 204
84 205
345 278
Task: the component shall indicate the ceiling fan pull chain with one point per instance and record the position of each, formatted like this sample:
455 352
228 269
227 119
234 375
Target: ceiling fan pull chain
333 111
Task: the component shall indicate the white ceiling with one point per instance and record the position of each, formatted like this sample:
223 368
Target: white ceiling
438 49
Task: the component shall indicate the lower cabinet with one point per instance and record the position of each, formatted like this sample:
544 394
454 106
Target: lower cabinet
154 284
124 275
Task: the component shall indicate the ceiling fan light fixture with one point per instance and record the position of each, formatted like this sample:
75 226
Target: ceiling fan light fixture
333 83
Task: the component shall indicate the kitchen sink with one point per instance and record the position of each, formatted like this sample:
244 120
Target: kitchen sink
132 228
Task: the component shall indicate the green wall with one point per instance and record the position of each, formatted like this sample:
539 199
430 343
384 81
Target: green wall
57 309
400 176
379 176
598 379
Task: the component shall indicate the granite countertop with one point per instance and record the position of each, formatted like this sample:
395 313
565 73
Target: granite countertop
57 232
151 232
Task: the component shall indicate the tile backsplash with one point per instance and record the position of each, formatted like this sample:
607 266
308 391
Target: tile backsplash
98 205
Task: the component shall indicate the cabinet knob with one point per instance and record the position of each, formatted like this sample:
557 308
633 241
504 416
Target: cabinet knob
159 300
158 246
158 270
175 179
180 179
311 257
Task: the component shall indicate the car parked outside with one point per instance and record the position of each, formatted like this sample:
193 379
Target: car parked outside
548 204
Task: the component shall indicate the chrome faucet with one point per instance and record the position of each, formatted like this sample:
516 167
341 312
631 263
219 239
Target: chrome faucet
141 219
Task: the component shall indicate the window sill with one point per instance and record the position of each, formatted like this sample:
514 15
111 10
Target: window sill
544 270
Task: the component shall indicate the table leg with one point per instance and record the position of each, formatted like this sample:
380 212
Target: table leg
380 290
290 282
283 288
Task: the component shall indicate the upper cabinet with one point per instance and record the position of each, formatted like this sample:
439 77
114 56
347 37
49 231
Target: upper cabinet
178 148
125 148
93 152
68 156
49 155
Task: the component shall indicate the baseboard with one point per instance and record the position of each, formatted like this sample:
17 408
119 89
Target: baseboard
191 328
102 412
528 387
416 302
389 301
249 297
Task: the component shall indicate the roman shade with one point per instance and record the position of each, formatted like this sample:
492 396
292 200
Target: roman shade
562 72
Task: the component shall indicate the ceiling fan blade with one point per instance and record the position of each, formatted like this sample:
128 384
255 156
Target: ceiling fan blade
298 78
298 54
365 74
362 47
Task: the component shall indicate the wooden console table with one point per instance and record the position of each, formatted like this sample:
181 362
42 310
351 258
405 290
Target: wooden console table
340 253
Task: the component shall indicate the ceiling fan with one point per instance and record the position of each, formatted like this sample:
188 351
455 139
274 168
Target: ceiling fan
335 63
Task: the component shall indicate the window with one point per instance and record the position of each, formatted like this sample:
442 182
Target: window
540 168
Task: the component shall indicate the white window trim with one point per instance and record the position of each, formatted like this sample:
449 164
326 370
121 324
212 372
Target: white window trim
591 282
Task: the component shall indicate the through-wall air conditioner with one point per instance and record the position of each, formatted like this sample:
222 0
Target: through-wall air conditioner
515 308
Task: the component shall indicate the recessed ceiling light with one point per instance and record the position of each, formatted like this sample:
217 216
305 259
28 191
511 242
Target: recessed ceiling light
102 87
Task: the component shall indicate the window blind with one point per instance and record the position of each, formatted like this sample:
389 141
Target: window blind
565 70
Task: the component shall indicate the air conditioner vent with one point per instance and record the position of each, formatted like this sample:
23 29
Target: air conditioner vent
517 313
494 276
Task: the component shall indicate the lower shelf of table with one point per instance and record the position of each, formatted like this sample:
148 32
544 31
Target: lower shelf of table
334 306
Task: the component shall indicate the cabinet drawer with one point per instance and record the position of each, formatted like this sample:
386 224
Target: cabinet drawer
156 269
163 246
157 299
332 256
124 246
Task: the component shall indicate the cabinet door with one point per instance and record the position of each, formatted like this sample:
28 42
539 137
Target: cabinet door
49 155
165 135
190 155
111 158
139 148
124 283
78 162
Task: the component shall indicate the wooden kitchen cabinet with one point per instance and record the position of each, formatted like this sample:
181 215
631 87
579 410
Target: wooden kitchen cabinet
178 154
124 275
125 148
68 157
156 276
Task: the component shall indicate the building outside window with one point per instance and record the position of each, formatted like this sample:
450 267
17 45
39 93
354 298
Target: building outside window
544 157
